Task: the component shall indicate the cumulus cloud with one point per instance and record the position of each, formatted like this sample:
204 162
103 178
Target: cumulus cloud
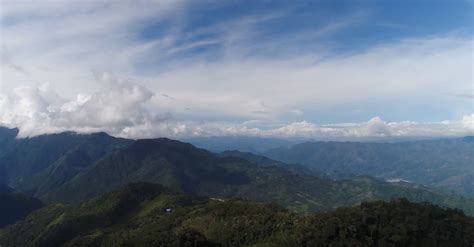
121 109
115 108
376 127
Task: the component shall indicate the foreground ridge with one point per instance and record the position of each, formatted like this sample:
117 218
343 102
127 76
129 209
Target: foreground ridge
144 214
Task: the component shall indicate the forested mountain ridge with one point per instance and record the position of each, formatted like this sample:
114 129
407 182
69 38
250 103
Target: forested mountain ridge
197 171
447 163
7 139
38 164
256 145
151 215
265 161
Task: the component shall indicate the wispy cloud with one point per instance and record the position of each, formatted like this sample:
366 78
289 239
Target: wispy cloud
6 61
466 95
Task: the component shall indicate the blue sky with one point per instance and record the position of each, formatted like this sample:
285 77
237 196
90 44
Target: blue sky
272 68
363 23
295 27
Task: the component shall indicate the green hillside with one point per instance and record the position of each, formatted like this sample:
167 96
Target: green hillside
265 161
151 215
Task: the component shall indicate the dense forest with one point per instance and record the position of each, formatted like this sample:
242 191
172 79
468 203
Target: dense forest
151 215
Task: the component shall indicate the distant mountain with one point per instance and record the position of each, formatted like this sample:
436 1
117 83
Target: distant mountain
14 206
265 161
244 144
7 141
196 171
447 164
468 139
151 215
35 165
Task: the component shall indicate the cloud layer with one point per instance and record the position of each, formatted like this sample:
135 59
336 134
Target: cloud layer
121 109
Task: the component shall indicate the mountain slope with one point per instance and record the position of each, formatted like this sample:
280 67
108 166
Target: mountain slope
14 206
7 139
197 171
151 215
447 164
35 165
267 162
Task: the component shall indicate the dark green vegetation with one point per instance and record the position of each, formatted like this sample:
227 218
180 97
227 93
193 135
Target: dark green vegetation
14 206
446 164
267 162
196 171
136 215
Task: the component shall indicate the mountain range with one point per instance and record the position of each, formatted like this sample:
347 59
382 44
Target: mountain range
71 168
255 145
36 165
447 164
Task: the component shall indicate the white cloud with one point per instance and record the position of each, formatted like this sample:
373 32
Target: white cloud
376 127
117 107
120 109
411 68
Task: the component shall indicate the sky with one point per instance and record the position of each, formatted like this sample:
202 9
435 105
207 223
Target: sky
175 68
